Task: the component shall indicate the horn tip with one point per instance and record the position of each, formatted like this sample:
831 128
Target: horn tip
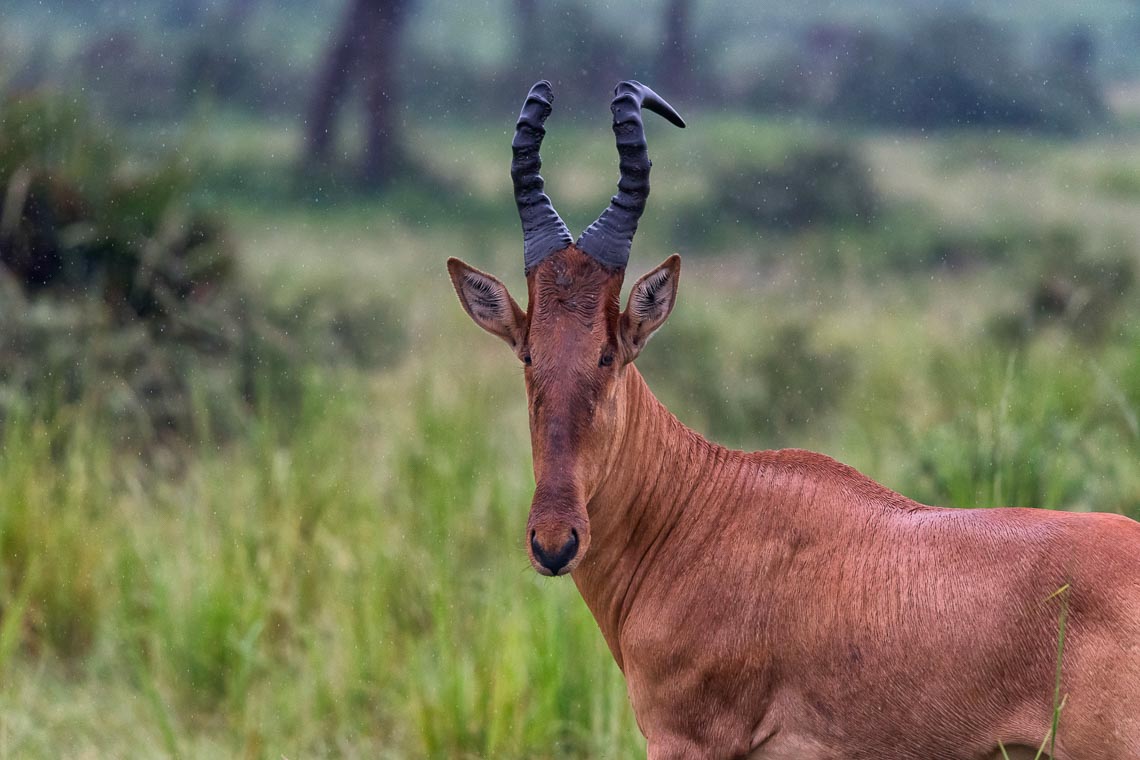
645 96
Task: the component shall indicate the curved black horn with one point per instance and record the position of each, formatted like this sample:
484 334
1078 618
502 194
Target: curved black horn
543 230
609 238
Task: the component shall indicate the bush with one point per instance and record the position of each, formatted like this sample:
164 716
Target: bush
782 184
128 237
761 394
117 291
909 241
819 184
958 71
1080 291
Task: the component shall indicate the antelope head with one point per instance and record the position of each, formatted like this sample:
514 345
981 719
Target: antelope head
573 339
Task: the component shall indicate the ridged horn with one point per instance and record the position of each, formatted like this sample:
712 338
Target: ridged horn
608 240
544 232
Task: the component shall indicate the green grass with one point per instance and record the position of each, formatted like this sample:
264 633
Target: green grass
1059 700
344 576
347 578
347 585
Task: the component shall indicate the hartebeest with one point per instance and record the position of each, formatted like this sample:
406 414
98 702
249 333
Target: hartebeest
779 604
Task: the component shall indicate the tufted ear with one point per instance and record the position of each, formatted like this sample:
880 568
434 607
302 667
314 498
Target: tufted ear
488 303
650 303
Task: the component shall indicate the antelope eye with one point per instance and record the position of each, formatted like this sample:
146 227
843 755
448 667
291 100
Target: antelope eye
526 359
606 360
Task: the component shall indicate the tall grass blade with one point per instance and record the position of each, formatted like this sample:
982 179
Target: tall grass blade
1058 701
13 620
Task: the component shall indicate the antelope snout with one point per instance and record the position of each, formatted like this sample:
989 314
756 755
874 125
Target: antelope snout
558 529
553 550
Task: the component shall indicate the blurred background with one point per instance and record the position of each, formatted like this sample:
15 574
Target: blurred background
262 484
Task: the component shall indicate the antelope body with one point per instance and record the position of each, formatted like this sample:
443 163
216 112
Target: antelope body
779 604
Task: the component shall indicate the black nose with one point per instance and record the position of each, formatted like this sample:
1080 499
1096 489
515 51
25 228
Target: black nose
556 560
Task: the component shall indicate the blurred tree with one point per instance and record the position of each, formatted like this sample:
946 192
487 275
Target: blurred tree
182 14
220 60
676 63
566 42
529 48
239 11
959 71
1073 71
363 52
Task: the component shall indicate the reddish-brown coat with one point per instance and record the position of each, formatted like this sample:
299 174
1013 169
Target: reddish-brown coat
779 604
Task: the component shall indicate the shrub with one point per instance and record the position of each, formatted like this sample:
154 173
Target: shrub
812 184
818 184
958 71
119 292
1077 290
126 237
762 393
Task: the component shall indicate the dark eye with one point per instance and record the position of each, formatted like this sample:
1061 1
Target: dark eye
606 360
526 359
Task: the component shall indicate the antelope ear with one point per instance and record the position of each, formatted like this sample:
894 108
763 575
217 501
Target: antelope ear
488 303
650 303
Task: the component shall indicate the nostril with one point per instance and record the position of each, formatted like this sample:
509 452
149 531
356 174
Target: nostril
555 560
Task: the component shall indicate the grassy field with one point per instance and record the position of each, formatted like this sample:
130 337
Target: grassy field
345 575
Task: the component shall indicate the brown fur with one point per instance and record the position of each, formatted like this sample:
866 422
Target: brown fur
779 604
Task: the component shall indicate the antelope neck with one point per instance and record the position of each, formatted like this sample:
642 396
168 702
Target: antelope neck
645 505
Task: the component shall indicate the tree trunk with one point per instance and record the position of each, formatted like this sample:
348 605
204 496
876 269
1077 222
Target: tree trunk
382 153
183 14
529 50
364 52
332 85
238 13
675 67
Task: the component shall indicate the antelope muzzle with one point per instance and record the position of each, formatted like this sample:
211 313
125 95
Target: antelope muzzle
558 531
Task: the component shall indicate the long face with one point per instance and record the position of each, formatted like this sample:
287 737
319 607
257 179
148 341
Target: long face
571 355
575 344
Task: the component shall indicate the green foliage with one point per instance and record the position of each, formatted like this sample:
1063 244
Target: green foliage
1019 430
911 241
782 178
52 131
1076 290
116 291
54 490
959 71
125 235
811 185
761 392
298 588
1120 182
1025 450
